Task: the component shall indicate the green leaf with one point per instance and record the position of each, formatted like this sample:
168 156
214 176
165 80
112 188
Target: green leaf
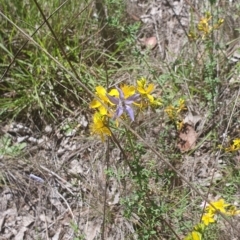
212 1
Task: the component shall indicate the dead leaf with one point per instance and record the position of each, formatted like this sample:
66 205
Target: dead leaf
2 219
20 234
57 234
149 43
191 119
92 229
27 220
188 138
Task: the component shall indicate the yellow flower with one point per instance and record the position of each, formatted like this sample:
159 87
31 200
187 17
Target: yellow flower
180 125
171 112
236 143
194 235
128 90
114 92
192 35
203 25
99 126
219 23
156 102
101 93
208 218
141 82
145 89
219 205
181 105
96 104
235 146
232 210
231 148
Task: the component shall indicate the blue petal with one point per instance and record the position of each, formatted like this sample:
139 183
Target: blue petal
132 99
114 100
130 112
118 113
121 95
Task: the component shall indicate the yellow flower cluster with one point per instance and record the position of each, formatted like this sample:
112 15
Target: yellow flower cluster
235 146
210 216
173 112
118 102
205 27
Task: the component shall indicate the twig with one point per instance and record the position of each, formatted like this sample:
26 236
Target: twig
107 163
57 176
161 51
46 226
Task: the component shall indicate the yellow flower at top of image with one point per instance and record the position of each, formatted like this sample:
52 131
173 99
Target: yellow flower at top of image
219 205
208 218
203 25
99 127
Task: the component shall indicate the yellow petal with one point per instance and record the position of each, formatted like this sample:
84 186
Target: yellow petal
95 104
151 98
103 110
208 218
141 82
128 90
114 92
101 90
196 235
150 88
141 90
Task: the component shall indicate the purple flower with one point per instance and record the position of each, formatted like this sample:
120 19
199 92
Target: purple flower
123 105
